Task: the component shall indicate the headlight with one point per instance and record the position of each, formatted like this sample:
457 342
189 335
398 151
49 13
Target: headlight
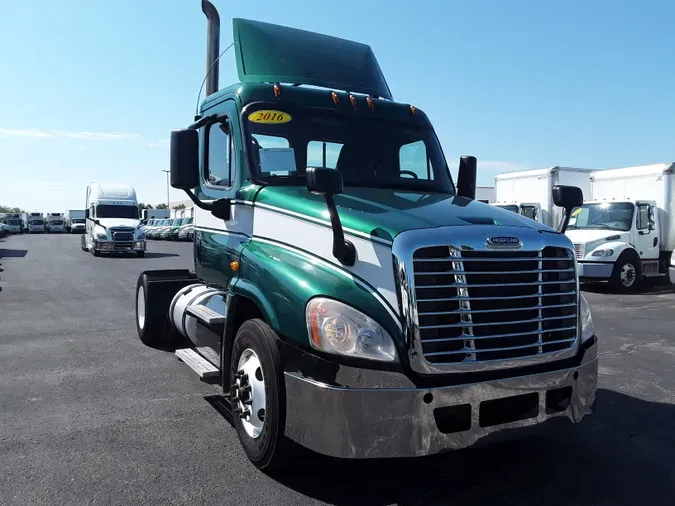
603 253
587 327
102 236
335 327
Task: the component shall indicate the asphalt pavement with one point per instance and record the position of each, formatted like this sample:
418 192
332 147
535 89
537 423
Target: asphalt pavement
89 415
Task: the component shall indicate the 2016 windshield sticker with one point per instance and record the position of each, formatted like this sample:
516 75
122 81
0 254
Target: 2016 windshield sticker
269 117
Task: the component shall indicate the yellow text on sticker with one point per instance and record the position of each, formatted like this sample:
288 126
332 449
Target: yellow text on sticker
269 117
576 212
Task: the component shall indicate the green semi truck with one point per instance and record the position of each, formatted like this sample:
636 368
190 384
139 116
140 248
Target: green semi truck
346 293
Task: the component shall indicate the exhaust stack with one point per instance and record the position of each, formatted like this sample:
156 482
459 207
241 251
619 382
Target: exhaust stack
212 46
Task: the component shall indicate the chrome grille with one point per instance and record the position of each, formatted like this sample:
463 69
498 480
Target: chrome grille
479 306
123 238
579 250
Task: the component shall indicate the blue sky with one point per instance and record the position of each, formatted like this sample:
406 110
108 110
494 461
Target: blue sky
89 90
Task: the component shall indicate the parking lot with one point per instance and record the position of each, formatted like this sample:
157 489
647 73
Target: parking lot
88 414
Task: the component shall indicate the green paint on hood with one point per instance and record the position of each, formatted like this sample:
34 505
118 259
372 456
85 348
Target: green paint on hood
385 213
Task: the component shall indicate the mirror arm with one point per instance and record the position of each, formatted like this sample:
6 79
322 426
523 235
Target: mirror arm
219 208
343 250
96 222
564 221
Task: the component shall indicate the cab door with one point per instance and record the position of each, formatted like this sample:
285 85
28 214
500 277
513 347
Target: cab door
648 237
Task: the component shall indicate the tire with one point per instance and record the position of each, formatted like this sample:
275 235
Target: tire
151 318
627 273
255 351
82 244
95 252
140 254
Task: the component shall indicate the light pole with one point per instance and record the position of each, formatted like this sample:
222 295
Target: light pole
167 187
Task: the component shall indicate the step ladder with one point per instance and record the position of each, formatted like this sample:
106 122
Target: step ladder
197 363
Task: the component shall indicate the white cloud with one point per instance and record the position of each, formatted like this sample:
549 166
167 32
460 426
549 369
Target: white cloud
41 133
159 143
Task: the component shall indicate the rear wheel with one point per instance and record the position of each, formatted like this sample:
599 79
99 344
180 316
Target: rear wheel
151 317
258 395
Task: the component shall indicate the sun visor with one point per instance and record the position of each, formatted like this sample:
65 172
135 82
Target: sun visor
271 53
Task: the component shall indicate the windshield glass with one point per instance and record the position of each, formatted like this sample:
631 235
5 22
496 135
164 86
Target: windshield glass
109 211
77 220
510 207
36 222
56 222
13 222
368 152
605 215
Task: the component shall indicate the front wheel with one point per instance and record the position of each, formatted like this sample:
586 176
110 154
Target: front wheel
627 274
258 395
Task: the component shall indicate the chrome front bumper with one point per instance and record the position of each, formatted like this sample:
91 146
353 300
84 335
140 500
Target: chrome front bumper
409 422
109 246
595 270
671 273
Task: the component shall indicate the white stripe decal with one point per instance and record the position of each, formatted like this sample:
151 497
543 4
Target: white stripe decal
338 270
347 231
373 261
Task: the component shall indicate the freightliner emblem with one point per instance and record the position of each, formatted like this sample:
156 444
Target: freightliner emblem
505 242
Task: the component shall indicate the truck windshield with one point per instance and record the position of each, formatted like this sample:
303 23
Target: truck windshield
369 152
110 211
13 222
56 222
36 222
77 220
604 215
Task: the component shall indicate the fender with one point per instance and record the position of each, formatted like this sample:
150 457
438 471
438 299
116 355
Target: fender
282 280
618 246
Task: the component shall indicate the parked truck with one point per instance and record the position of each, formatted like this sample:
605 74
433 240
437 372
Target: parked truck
529 192
485 194
55 223
34 223
362 313
75 221
13 222
626 231
113 222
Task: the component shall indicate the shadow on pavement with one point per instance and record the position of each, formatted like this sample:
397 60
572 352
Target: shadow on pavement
12 253
620 455
157 254
652 286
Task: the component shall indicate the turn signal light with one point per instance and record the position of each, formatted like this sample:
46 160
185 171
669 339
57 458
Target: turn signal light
234 265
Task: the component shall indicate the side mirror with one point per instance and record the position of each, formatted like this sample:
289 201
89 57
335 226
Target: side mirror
567 197
466 177
328 182
184 159
323 181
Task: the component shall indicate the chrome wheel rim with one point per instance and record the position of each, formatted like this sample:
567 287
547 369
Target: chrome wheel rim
140 307
248 393
628 275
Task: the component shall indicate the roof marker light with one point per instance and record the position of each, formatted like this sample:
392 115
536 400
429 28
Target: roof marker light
277 90
370 103
352 99
413 110
336 97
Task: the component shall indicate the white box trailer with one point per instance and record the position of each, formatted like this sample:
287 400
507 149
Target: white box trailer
35 223
485 194
626 231
530 192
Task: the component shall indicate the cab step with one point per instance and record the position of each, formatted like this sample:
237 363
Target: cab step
197 363
206 315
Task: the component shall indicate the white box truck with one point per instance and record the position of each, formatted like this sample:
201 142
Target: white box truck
75 221
485 194
113 223
35 223
529 192
13 222
55 222
626 231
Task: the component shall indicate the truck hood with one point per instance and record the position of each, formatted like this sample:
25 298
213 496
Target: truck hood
385 213
119 222
598 236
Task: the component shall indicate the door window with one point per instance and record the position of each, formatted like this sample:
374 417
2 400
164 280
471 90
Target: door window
218 155
642 220
414 162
